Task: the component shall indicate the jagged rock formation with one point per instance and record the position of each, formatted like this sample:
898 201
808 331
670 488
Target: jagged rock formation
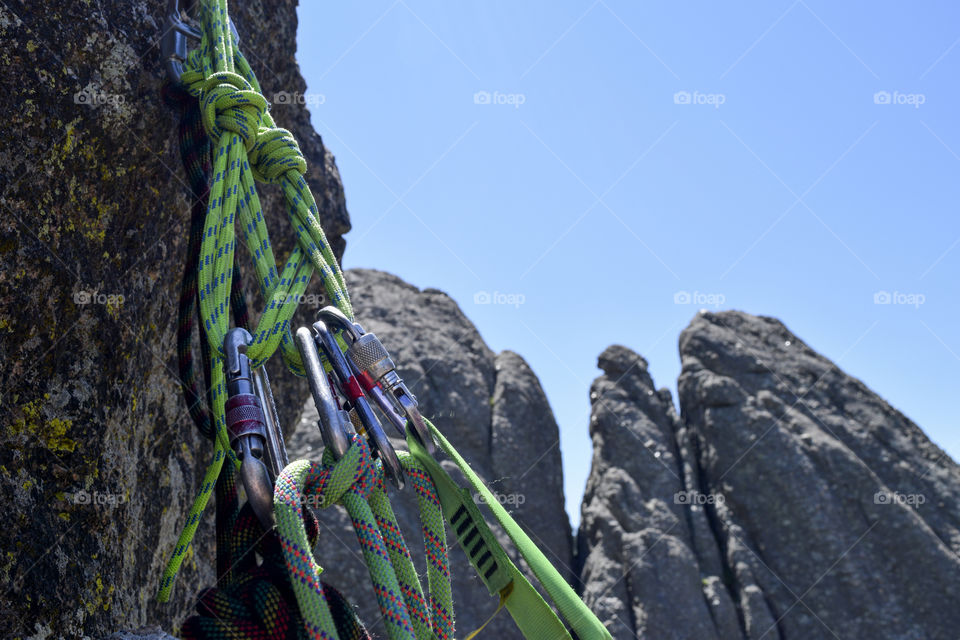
788 502
638 538
99 462
489 405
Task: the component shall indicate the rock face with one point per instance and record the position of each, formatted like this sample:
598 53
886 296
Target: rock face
98 460
489 405
638 537
789 501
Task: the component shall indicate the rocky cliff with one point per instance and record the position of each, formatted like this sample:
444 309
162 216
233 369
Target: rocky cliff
98 460
788 500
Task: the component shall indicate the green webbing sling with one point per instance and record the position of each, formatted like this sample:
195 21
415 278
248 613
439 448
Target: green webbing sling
247 147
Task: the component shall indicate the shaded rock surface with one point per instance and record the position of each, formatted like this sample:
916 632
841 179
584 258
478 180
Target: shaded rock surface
491 407
789 501
98 460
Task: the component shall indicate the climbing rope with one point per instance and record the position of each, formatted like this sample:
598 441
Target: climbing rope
356 482
251 600
247 147
195 156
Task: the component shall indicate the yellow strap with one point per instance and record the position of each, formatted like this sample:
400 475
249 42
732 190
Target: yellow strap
504 594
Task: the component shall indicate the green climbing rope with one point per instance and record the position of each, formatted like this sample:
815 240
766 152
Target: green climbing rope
248 147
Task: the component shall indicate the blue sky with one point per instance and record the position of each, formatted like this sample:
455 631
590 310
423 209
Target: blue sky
598 160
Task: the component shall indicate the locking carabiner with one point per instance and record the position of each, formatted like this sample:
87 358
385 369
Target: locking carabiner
376 371
247 425
348 386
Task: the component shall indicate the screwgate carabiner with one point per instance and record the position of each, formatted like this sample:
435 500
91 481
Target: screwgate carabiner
376 371
252 434
348 386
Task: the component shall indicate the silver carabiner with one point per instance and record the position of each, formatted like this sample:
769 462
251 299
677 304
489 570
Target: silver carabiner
351 390
173 40
334 423
276 447
247 425
371 363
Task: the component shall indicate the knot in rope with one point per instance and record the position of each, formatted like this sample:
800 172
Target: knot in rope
275 152
229 103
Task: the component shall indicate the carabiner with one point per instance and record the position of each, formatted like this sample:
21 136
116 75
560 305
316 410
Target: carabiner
351 390
376 371
334 423
173 40
247 425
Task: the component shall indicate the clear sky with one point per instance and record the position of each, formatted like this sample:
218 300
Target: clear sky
586 163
